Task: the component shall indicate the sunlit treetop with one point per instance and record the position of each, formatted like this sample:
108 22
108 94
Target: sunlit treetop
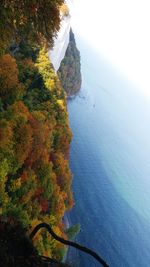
29 20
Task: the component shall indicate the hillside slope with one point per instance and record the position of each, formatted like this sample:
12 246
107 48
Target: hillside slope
35 179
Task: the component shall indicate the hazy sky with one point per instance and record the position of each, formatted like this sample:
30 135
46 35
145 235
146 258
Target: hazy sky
120 31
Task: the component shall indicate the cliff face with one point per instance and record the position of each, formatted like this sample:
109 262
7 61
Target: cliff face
69 71
65 56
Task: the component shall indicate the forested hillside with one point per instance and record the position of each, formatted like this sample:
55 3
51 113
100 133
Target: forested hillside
35 179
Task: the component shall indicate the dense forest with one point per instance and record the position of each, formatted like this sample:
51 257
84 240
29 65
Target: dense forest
35 179
69 72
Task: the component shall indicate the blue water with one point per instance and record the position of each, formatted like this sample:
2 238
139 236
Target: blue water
110 161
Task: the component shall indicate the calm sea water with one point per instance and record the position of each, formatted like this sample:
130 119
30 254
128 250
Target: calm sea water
110 161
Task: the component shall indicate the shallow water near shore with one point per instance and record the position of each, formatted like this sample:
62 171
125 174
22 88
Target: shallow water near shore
110 155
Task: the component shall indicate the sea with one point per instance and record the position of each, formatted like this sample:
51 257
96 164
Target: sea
110 162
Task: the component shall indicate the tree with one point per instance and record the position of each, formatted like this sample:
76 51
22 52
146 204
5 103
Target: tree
72 231
28 20
34 130
10 88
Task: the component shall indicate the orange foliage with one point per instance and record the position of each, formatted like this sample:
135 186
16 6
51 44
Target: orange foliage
40 140
8 73
43 204
10 88
24 176
19 111
34 140
39 191
24 142
62 171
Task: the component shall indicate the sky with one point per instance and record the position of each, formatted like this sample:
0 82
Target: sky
120 31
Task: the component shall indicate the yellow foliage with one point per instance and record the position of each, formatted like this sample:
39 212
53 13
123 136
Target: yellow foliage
35 136
1 211
15 184
26 198
64 9
60 102
45 69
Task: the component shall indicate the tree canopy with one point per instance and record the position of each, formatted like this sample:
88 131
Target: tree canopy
32 20
35 179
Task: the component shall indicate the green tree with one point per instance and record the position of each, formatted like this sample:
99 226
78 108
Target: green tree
72 231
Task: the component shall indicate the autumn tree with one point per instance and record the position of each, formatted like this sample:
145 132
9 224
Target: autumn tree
35 180
10 88
28 20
